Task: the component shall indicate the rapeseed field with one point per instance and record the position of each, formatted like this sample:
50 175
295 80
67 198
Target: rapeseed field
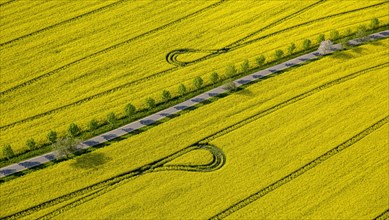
307 143
78 61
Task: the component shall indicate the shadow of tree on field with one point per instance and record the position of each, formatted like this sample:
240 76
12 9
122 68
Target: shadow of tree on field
357 49
90 161
245 92
342 55
376 43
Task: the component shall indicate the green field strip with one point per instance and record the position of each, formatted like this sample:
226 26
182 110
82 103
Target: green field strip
334 151
107 7
45 75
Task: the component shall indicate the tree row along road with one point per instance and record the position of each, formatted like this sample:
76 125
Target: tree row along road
39 160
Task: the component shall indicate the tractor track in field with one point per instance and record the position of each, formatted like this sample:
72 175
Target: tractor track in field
6 3
383 216
324 157
68 21
172 56
110 48
289 102
97 189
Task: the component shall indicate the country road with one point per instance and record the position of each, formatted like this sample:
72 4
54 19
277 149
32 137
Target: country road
36 161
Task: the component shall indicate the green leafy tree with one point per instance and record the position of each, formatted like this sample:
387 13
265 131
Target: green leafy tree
245 66
52 136
214 78
306 44
260 60
374 23
165 95
348 32
198 82
361 32
150 103
334 35
8 152
278 54
182 89
291 48
129 110
64 147
92 125
74 130
31 144
231 71
320 38
112 119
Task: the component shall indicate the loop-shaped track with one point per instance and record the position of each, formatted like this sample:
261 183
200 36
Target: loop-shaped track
90 192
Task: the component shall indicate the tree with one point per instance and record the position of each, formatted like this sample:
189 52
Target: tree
166 95
291 48
74 130
231 71
214 78
182 89
92 126
31 144
52 136
261 60
348 32
150 102
65 147
374 23
129 110
7 151
230 86
325 47
112 119
198 82
306 44
320 38
334 35
245 66
361 32
278 54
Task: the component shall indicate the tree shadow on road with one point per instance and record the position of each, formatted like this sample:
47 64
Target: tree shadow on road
90 161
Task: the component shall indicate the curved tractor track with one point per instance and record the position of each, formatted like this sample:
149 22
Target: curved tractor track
93 191
219 158
110 48
172 56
